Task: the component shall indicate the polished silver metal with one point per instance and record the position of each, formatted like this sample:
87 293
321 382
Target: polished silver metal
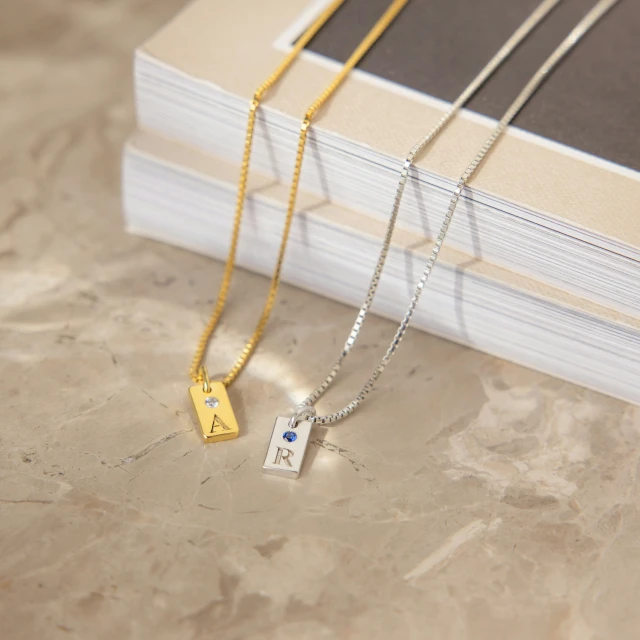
302 412
286 458
536 80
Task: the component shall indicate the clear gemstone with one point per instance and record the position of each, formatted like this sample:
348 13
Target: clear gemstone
211 402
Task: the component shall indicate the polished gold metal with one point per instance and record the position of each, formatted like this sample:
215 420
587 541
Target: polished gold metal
214 412
197 371
206 383
196 365
378 29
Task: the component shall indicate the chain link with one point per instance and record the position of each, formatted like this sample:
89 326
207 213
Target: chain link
536 80
348 66
387 18
196 369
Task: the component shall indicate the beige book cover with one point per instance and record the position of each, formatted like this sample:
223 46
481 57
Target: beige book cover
234 46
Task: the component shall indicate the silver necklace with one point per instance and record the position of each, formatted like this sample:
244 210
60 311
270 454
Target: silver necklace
290 436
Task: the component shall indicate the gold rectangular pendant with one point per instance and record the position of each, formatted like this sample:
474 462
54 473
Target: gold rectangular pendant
214 412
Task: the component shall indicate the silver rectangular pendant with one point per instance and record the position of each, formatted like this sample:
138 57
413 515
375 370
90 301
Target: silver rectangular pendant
287 448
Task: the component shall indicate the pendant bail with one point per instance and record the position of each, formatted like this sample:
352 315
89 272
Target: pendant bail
303 412
206 383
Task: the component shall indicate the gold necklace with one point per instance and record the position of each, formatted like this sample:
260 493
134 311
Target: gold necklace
210 399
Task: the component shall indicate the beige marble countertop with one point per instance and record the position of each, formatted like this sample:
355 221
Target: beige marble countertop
470 498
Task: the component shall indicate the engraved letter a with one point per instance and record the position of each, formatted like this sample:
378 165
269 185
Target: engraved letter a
218 422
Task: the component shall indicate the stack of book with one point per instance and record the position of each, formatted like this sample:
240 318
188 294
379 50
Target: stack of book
542 262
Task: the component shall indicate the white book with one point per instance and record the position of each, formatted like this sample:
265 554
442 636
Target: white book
182 196
542 260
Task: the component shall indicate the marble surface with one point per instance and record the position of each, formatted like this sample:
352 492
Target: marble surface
470 498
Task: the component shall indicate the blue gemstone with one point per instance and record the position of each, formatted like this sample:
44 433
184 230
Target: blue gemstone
290 436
